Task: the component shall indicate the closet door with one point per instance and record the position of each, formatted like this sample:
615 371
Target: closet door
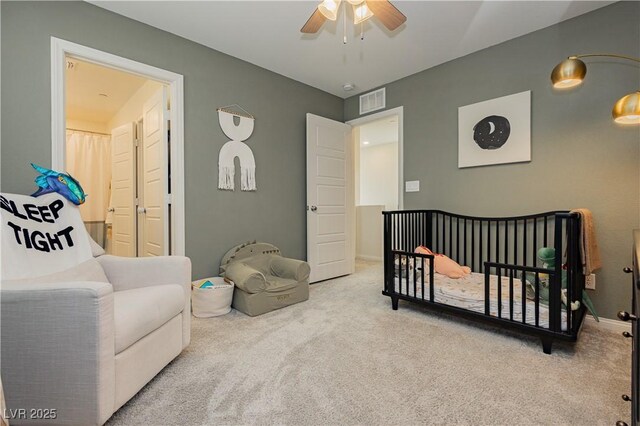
123 188
154 209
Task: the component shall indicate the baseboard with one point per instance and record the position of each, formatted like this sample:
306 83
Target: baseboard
368 258
609 324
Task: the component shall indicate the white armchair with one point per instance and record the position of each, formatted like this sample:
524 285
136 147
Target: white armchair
84 341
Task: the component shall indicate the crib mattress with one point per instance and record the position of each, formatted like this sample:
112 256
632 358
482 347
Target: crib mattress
468 293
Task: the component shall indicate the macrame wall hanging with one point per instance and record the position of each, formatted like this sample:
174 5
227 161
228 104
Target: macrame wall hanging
236 148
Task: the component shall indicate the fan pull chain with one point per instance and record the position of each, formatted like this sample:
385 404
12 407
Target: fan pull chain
344 26
362 30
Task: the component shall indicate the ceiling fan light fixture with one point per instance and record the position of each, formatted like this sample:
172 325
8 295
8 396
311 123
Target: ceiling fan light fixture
627 109
568 73
329 9
361 12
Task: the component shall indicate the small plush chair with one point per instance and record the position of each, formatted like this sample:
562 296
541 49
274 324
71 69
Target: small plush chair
265 281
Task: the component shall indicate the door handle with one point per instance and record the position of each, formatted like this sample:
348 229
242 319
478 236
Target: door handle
111 209
314 208
142 210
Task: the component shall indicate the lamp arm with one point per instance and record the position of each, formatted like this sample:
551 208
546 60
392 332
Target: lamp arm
608 55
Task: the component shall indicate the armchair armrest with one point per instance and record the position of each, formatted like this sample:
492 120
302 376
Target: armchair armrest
290 268
57 349
246 278
128 273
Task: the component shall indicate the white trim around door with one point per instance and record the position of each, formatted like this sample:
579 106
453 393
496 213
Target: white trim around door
60 49
399 111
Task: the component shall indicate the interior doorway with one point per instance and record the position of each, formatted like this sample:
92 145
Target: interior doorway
154 119
377 141
117 144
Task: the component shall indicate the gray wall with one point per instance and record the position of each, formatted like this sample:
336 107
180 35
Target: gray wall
580 157
215 220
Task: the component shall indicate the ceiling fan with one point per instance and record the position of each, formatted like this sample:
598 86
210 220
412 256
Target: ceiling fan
387 13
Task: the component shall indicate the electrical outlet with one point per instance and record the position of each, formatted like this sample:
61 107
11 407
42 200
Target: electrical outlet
590 282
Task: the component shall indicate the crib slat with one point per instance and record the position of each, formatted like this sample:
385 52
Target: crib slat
534 260
488 241
481 265
473 245
431 280
523 289
511 295
406 258
506 241
537 300
458 239
515 242
499 271
524 244
487 302
443 234
422 283
465 242
449 243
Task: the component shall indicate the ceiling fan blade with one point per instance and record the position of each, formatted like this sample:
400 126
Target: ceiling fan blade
387 13
314 23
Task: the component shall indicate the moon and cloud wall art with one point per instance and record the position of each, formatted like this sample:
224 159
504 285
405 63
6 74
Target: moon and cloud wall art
497 131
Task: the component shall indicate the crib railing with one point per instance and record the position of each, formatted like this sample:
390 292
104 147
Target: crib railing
504 246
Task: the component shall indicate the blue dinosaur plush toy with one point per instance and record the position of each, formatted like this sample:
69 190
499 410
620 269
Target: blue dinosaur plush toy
64 184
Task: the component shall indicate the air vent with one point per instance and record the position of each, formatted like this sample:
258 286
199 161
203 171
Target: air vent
372 101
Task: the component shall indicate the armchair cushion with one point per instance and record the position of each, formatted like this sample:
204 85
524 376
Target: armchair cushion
141 311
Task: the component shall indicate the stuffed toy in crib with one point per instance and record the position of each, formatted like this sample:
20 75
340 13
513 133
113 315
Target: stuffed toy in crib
444 265
547 256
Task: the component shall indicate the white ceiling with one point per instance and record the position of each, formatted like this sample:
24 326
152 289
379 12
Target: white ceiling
267 33
379 132
85 83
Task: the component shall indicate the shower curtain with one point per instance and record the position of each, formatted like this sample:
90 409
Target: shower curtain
89 161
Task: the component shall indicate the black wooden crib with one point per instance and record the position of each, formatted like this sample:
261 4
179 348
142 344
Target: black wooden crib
509 286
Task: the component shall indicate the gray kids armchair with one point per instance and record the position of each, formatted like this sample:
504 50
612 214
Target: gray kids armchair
265 281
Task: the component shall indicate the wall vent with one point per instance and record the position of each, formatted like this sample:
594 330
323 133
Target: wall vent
372 101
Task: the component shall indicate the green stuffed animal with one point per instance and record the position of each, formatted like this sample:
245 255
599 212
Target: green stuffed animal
547 256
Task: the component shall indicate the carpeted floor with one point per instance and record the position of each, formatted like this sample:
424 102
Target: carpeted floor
345 357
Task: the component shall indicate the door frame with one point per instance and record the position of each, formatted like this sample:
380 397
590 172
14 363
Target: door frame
60 49
399 111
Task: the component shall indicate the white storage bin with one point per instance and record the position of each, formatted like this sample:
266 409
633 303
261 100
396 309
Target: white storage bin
213 301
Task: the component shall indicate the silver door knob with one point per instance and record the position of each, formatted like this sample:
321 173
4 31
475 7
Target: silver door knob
142 210
111 209
314 208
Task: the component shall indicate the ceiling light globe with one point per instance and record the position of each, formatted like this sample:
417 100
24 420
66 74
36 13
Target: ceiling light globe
627 109
355 2
361 13
329 8
568 73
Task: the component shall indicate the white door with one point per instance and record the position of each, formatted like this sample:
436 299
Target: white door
330 199
123 192
153 211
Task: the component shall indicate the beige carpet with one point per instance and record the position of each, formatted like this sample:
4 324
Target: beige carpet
345 357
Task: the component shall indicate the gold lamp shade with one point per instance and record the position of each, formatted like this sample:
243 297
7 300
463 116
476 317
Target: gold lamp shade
627 109
568 73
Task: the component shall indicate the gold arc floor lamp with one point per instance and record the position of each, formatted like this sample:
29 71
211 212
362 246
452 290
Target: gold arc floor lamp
571 72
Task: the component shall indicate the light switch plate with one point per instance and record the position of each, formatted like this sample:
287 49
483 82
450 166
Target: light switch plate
412 186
